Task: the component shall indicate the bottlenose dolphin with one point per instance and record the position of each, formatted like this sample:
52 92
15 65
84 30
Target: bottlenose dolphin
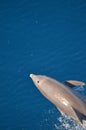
63 96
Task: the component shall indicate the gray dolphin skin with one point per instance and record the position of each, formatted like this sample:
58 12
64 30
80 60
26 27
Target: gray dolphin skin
63 96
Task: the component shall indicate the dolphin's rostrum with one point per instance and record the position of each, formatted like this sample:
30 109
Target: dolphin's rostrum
63 96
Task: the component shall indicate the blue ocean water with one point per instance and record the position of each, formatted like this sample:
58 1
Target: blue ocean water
42 37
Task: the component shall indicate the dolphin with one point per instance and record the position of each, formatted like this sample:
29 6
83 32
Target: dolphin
62 95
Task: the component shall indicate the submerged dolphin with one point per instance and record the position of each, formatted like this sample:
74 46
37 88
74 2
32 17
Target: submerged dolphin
63 96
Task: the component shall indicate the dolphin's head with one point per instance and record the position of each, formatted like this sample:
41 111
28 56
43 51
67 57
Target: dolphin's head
46 85
37 79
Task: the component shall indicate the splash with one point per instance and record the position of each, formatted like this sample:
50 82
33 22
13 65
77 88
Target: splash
67 124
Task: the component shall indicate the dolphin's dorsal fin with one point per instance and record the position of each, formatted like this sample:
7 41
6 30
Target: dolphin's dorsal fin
80 116
73 83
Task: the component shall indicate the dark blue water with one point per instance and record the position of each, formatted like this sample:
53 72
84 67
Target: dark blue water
43 37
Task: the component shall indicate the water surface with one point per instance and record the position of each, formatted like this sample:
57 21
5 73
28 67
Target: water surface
42 37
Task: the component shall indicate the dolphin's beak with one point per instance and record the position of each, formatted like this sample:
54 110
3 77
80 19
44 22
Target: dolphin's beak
34 78
31 75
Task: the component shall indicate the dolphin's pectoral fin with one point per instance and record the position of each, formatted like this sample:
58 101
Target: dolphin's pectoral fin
80 116
73 83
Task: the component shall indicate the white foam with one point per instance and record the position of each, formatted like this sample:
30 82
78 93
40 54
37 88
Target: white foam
68 124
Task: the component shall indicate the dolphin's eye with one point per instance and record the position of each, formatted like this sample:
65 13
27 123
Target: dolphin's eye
37 81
